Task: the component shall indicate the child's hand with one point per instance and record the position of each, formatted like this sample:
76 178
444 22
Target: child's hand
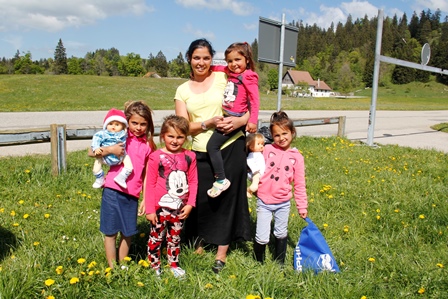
303 215
185 211
98 151
152 218
251 128
141 208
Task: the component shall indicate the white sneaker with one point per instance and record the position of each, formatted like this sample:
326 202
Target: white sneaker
120 179
99 183
158 272
178 272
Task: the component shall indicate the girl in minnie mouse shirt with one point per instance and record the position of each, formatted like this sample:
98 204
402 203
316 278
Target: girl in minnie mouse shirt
284 165
170 193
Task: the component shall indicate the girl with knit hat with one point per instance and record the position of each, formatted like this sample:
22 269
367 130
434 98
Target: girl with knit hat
119 206
114 131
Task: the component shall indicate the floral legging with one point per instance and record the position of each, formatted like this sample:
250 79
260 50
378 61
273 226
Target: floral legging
170 225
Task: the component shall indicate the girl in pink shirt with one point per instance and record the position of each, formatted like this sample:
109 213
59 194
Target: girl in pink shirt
119 206
284 165
171 189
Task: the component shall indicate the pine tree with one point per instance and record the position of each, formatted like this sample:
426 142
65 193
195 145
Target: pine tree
60 59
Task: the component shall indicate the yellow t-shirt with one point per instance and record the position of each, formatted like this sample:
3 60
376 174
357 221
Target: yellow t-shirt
204 106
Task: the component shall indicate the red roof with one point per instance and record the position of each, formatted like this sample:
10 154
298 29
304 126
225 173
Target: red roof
303 76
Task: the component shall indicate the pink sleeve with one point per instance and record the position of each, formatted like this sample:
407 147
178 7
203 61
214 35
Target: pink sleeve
192 180
151 183
300 185
219 68
251 84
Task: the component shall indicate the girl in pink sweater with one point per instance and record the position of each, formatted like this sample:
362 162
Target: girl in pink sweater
284 165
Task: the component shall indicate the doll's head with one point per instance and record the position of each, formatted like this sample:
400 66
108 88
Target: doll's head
255 142
115 121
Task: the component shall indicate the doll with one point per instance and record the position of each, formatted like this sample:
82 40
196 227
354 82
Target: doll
255 161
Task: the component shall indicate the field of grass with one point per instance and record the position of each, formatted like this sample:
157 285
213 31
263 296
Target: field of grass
383 212
71 93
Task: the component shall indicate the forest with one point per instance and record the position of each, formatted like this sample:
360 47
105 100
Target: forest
341 55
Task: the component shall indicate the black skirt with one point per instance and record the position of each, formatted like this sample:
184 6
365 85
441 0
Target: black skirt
225 218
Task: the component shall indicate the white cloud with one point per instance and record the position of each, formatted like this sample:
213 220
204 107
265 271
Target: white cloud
358 9
198 32
240 8
55 15
433 5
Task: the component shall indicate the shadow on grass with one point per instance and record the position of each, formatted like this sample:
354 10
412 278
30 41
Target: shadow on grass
8 242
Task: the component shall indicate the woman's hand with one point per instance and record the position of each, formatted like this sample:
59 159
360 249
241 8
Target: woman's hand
230 123
141 209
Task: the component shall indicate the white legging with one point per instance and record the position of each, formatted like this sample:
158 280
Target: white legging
264 217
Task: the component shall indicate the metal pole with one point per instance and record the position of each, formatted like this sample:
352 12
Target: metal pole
280 66
376 74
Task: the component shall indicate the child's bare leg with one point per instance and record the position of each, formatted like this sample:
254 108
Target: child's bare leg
123 247
111 249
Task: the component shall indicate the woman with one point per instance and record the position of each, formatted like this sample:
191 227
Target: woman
225 218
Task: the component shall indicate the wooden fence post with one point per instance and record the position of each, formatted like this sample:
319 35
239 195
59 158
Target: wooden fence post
58 148
341 126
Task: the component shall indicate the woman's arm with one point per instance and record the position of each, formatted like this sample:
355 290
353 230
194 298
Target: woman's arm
230 123
196 127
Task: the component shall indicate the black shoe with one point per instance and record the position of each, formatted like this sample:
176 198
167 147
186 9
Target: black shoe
218 266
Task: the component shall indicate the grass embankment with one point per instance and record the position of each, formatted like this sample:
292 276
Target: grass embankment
72 93
383 212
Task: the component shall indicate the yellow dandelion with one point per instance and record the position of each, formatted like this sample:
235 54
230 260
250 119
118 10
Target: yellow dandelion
26 216
36 243
140 284
345 229
127 259
49 282
13 213
378 210
371 259
421 290
433 205
378 217
439 265
21 202
91 273
208 286
143 263
74 280
46 216
36 204
97 272
397 210
50 297
13 257
91 265
233 276
325 225
86 164
1 268
364 297
108 269
250 210
421 216
58 195
108 274
83 273
15 224
81 260
2 210
59 270
250 296
142 235
27 171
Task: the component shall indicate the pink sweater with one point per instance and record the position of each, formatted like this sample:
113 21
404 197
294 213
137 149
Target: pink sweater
241 94
283 168
173 175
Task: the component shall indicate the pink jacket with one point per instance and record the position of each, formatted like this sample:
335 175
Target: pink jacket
138 150
283 168
241 94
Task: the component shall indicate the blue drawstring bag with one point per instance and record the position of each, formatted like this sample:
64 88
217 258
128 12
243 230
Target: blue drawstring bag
312 251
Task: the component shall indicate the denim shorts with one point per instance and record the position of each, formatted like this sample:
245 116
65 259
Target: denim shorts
118 213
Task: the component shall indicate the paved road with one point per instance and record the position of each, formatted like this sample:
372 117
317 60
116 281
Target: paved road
403 128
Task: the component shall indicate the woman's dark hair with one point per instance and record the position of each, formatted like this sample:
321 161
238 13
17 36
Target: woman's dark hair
282 120
199 43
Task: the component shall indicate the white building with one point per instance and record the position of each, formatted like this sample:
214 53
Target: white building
303 85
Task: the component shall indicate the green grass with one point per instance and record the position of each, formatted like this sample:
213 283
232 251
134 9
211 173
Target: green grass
71 93
386 204
442 127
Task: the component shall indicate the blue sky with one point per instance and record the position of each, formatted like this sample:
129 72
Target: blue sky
145 26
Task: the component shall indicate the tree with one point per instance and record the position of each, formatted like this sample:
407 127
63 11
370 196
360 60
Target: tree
273 79
60 59
178 67
161 65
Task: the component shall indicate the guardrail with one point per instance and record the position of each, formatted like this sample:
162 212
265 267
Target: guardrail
59 134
